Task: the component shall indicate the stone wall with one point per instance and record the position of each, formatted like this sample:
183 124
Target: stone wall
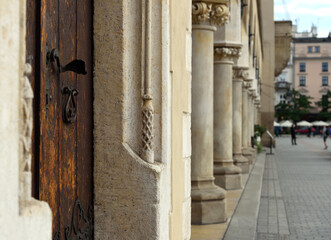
180 68
132 193
283 39
22 217
267 94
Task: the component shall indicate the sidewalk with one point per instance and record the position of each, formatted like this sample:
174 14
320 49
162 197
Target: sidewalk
243 206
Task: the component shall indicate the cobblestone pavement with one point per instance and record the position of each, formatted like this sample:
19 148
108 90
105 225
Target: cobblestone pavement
296 191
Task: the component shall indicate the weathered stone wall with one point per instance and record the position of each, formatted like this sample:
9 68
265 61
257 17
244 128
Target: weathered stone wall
22 217
180 68
267 94
132 196
283 39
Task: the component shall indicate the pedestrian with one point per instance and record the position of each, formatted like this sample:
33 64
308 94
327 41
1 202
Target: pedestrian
309 131
293 137
329 131
325 133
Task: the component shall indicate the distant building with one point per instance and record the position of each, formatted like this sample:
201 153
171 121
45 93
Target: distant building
308 68
311 62
284 69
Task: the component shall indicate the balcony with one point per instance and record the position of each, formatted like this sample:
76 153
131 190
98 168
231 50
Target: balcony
282 85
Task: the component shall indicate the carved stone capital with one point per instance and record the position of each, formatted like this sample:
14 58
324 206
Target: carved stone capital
246 85
252 93
227 53
220 14
210 12
239 74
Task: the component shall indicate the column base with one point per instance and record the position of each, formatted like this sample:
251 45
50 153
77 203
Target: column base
228 177
241 162
208 205
249 154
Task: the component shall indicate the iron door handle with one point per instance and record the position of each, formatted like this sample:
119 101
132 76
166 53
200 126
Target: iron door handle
70 108
76 66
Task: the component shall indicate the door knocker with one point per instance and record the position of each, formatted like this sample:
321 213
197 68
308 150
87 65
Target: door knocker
70 109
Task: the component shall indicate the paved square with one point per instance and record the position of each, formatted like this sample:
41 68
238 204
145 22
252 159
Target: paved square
296 191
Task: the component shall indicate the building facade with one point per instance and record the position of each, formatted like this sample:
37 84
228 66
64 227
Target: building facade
311 67
134 117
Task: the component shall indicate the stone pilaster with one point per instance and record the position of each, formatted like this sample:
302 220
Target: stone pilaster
208 199
239 74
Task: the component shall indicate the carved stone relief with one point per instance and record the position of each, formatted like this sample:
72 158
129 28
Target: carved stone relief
26 134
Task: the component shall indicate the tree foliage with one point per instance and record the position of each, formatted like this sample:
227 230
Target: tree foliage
325 105
295 109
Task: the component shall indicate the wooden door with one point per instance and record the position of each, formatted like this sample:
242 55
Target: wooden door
62 148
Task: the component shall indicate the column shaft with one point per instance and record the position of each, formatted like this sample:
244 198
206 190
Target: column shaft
206 196
237 117
227 175
246 123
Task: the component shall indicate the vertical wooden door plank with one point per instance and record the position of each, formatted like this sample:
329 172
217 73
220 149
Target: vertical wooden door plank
68 143
49 134
84 103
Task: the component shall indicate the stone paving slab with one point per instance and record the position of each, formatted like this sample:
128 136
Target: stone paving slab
244 220
272 221
297 183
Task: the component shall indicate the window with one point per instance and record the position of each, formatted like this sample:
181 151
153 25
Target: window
302 67
317 49
302 81
325 67
325 80
310 49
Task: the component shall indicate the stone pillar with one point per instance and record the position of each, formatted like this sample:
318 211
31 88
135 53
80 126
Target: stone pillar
227 175
208 199
251 96
237 104
257 104
245 122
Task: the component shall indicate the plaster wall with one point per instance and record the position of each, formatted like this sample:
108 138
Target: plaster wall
180 69
132 197
313 71
21 216
313 76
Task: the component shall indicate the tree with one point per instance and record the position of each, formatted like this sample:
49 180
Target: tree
325 105
296 108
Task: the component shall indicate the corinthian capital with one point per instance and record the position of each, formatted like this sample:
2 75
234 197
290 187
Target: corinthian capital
213 12
220 14
239 73
226 53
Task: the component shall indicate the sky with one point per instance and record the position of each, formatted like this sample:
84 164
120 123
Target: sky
304 13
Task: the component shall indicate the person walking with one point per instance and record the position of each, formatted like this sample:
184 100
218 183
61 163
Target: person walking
325 133
309 131
293 137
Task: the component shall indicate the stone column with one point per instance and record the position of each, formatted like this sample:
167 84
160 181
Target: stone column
208 199
252 106
245 122
227 175
238 75
251 96
257 103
